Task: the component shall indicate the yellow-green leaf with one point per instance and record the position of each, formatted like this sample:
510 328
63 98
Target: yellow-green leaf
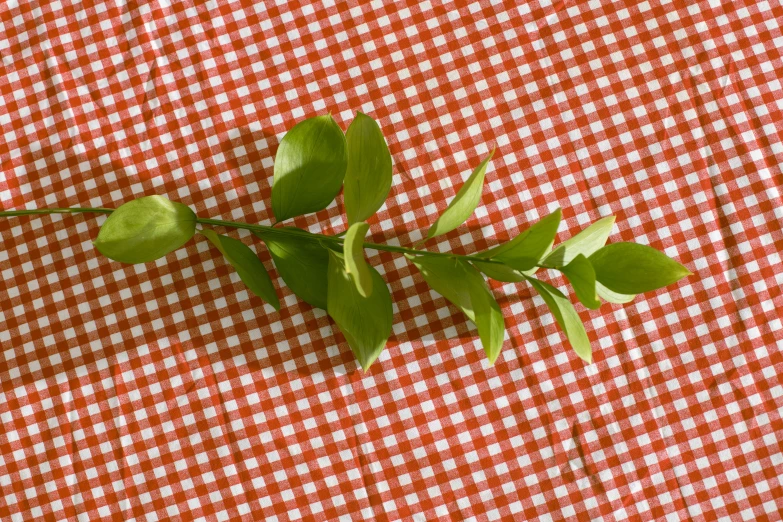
145 229
566 316
581 275
499 272
301 262
466 289
249 268
612 297
369 174
355 264
464 203
366 322
585 242
309 168
630 268
526 250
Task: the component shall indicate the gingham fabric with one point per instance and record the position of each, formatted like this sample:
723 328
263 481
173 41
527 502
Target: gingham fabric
165 391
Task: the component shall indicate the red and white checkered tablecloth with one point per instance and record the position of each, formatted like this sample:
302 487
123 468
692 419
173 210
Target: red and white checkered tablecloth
166 392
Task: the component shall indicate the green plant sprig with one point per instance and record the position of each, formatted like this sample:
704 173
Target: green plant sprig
314 162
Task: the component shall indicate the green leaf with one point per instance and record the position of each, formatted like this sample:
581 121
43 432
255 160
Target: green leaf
566 316
309 168
499 272
464 203
581 275
466 289
612 297
585 243
366 322
630 268
250 269
526 250
301 262
355 263
145 229
369 174
504 273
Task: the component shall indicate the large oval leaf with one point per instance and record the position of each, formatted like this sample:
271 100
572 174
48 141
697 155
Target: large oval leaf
249 268
526 250
464 203
355 264
145 229
309 168
585 243
566 316
369 174
466 289
302 263
630 268
366 322
581 275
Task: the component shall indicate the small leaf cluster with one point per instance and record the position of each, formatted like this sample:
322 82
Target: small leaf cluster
315 160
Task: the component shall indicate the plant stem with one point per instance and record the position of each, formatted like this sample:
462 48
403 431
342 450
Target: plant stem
74 210
257 228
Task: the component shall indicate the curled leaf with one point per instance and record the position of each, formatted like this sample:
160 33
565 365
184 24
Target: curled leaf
249 268
566 316
309 168
301 262
630 268
366 322
369 174
355 264
145 229
464 286
464 203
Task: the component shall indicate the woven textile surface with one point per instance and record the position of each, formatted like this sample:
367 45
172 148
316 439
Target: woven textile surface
166 391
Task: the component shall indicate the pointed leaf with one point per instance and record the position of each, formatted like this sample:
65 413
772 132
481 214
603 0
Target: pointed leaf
369 174
355 263
566 316
145 229
585 243
302 263
581 275
630 268
309 168
249 268
466 289
366 322
526 250
612 297
464 203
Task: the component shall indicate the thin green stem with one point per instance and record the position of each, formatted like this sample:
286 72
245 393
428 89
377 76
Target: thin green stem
74 210
258 228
